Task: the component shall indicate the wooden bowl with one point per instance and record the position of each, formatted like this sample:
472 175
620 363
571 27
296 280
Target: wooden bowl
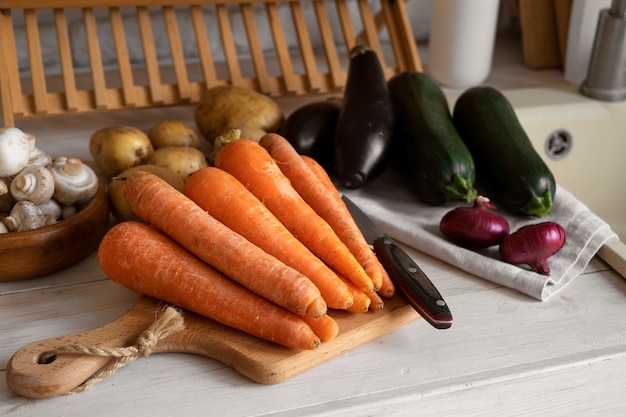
50 249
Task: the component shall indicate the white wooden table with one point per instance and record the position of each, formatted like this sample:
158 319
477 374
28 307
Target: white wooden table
506 354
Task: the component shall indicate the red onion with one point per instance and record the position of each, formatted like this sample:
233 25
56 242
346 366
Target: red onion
533 245
474 227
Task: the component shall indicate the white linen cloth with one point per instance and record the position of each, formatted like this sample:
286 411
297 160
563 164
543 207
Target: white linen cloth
398 212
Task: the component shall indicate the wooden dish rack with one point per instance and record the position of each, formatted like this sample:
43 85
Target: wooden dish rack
184 76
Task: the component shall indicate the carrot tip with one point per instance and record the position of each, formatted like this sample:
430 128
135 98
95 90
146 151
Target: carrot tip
317 308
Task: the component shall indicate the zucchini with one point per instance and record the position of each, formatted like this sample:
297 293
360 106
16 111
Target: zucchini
430 152
505 157
364 127
311 130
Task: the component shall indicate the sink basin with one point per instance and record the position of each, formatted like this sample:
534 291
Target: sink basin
583 141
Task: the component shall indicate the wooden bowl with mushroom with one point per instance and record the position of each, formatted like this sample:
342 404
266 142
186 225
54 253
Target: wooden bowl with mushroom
49 249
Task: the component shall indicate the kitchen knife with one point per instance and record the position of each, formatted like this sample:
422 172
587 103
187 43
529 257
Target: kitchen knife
408 278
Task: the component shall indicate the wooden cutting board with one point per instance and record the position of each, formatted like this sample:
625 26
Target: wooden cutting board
259 360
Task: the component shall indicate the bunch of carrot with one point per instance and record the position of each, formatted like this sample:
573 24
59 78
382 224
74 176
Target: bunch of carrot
261 242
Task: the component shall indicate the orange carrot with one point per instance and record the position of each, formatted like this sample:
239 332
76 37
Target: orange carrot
325 327
253 166
241 211
387 289
361 302
329 207
321 175
169 210
377 303
144 259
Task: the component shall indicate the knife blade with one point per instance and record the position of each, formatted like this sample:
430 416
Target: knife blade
406 275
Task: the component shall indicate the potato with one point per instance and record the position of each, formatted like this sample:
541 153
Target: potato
117 148
118 205
174 133
252 133
226 107
182 160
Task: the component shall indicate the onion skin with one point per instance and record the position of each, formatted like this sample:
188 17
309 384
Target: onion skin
533 245
474 227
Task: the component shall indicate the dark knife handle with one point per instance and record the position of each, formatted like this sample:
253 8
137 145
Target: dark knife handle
413 283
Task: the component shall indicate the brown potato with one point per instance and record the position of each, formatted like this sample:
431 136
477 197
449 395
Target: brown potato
118 205
174 133
182 160
226 107
252 133
117 148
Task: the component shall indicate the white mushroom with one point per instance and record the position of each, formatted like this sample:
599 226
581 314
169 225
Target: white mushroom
3 228
14 150
74 182
51 209
24 216
34 183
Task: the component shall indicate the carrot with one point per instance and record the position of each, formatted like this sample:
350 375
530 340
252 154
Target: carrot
327 205
361 302
144 259
377 303
241 211
321 175
387 289
169 210
253 166
325 327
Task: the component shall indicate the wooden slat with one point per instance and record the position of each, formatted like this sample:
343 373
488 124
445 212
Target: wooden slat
95 59
384 20
346 24
337 75
9 73
150 55
410 54
204 46
228 43
65 56
38 76
370 34
282 50
123 57
176 49
256 50
306 48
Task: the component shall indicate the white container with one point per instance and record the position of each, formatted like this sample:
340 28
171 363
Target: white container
462 36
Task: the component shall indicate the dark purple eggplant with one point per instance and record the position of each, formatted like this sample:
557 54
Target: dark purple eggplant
363 135
311 130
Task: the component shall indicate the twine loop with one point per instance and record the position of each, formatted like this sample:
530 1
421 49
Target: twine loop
168 323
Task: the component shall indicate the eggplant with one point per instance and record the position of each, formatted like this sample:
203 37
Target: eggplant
311 130
363 135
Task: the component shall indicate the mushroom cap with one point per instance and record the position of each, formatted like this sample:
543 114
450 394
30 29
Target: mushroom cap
14 150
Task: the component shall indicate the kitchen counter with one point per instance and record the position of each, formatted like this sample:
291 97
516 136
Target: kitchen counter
506 354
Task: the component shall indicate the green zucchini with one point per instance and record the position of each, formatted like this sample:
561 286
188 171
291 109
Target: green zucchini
432 155
505 157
